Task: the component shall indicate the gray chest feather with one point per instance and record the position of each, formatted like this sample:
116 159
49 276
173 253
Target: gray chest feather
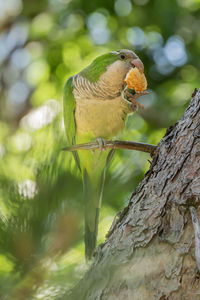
100 108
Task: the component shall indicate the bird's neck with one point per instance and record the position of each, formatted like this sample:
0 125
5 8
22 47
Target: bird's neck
84 89
109 85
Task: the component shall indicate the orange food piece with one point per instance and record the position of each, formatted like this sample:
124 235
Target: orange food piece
136 80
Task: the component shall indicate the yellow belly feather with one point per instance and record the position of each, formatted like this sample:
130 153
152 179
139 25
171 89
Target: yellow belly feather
101 118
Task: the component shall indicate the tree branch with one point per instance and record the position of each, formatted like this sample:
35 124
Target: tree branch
115 145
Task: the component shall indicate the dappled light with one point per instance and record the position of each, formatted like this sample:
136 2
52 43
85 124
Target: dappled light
42 44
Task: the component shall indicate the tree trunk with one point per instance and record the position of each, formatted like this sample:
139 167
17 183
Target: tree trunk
152 250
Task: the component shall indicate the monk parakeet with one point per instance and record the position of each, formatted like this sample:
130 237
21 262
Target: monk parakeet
95 108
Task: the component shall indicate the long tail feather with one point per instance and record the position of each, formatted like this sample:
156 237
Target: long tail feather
93 192
91 236
92 197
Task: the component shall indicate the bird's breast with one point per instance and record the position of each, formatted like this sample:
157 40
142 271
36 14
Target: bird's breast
101 118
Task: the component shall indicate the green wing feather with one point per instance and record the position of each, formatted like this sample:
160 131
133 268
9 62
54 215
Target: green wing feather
69 106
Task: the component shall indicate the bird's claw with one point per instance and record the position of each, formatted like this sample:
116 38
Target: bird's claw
102 144
132 98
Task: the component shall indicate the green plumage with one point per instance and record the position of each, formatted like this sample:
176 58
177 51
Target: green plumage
98 66
92 166
93 183
69 105
87 118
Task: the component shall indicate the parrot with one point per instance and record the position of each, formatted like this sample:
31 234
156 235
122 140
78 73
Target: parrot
95 107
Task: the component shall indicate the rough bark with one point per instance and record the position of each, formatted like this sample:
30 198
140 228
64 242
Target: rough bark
150 251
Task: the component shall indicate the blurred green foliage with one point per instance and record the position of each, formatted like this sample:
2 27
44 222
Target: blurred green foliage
42 43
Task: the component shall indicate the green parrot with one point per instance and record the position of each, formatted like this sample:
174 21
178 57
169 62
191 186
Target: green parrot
95 108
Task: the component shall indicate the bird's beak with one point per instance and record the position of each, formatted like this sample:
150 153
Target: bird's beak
138 64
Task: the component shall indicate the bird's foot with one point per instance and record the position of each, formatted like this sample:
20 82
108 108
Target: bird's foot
102 144
132 98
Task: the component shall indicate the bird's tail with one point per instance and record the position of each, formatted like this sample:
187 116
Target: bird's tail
93 192
93 197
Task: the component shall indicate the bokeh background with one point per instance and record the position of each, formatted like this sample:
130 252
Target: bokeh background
42 43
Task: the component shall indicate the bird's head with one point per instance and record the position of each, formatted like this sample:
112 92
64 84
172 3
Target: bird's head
123 61
113 67
128 59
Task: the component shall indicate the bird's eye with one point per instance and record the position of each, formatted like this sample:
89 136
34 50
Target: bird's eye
122 56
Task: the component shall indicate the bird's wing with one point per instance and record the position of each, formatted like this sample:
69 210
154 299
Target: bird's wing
69 106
